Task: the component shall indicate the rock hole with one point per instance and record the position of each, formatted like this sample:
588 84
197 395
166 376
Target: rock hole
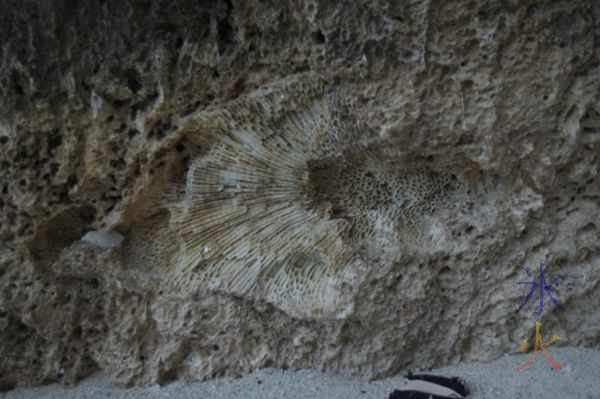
532 11
132 82
318 37
119 103
54 140
226 34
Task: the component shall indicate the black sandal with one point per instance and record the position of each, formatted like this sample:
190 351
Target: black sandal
431 387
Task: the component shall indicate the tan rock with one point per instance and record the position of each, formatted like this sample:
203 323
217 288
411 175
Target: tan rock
194 191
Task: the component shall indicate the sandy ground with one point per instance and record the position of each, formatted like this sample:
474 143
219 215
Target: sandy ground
579 378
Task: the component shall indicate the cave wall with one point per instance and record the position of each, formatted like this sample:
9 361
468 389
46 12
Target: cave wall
199 189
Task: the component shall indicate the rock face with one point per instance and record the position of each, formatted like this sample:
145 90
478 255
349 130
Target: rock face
195 190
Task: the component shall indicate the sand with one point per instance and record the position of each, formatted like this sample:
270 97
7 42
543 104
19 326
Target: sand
579 378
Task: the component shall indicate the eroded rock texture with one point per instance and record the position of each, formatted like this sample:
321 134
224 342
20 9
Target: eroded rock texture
194 190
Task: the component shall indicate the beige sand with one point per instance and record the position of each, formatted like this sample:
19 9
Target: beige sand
579 378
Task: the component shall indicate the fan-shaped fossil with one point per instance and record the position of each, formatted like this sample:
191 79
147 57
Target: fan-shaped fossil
289 193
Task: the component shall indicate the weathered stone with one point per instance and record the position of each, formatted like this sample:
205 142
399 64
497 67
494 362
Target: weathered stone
195 190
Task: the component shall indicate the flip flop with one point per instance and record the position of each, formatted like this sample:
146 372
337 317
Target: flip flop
431 387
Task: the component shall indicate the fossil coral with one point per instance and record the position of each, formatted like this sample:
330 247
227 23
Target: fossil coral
285 203
248 222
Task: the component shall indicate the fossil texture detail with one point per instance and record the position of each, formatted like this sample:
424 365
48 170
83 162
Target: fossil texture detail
285 206
245 222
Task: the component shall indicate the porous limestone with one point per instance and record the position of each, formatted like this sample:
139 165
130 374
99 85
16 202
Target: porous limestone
196 190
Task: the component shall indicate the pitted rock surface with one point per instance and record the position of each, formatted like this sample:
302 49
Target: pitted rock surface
196 190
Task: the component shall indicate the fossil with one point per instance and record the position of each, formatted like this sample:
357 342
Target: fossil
288 201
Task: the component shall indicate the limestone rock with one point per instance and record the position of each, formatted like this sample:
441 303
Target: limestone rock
195 190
